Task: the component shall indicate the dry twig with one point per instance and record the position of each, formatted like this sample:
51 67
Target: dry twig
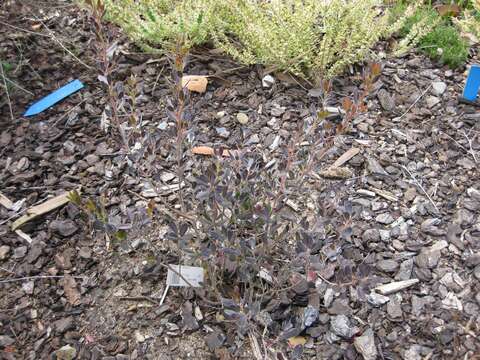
138 298
470 145
415 102
17 86
23 30
421 188
6 91
38 277
54 38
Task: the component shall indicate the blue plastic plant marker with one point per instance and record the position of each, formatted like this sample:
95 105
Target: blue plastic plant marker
473 84
54 98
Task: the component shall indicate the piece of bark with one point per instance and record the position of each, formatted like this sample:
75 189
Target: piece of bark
71 292
345 157
393 287
336 173
6 202
385 194
43 208
24 236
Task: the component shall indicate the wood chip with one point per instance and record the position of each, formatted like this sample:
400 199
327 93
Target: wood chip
336 173
439 245
6 202
196 83
345 157
169 189
365 192
292 205
38 210
393 287
257 352
297 340
385 194
71 292
362 142
24 236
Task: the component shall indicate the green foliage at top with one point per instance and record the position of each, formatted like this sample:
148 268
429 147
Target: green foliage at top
310 37
433 34
306 37
470 23
153 23
281 34
423 14
445 44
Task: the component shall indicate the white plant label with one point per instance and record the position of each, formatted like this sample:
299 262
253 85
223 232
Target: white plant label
193 274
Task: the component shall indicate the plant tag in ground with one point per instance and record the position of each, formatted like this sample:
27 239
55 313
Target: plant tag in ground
54 98
472 86
193 274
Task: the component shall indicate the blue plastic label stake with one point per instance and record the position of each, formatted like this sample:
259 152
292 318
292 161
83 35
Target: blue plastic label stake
54 98
473 84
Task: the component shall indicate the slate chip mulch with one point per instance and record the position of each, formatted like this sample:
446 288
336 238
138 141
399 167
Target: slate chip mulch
68 289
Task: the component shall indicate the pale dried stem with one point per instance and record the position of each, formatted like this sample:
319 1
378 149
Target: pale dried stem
422 188
6 91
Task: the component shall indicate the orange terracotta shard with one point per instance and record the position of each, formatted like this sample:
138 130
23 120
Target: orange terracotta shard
203 150
196 83
209 151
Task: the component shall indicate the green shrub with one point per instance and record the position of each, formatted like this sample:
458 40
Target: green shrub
432 34
162 23
306 37
280 34
349 29
309 37
427 15
445 44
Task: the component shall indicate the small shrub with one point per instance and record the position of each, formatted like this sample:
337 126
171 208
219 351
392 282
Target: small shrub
445 44
312 38
309 38
282 34
260 230
349 29
162 23
427 15
433 34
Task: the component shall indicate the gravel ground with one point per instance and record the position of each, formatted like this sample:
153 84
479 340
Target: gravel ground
414 184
